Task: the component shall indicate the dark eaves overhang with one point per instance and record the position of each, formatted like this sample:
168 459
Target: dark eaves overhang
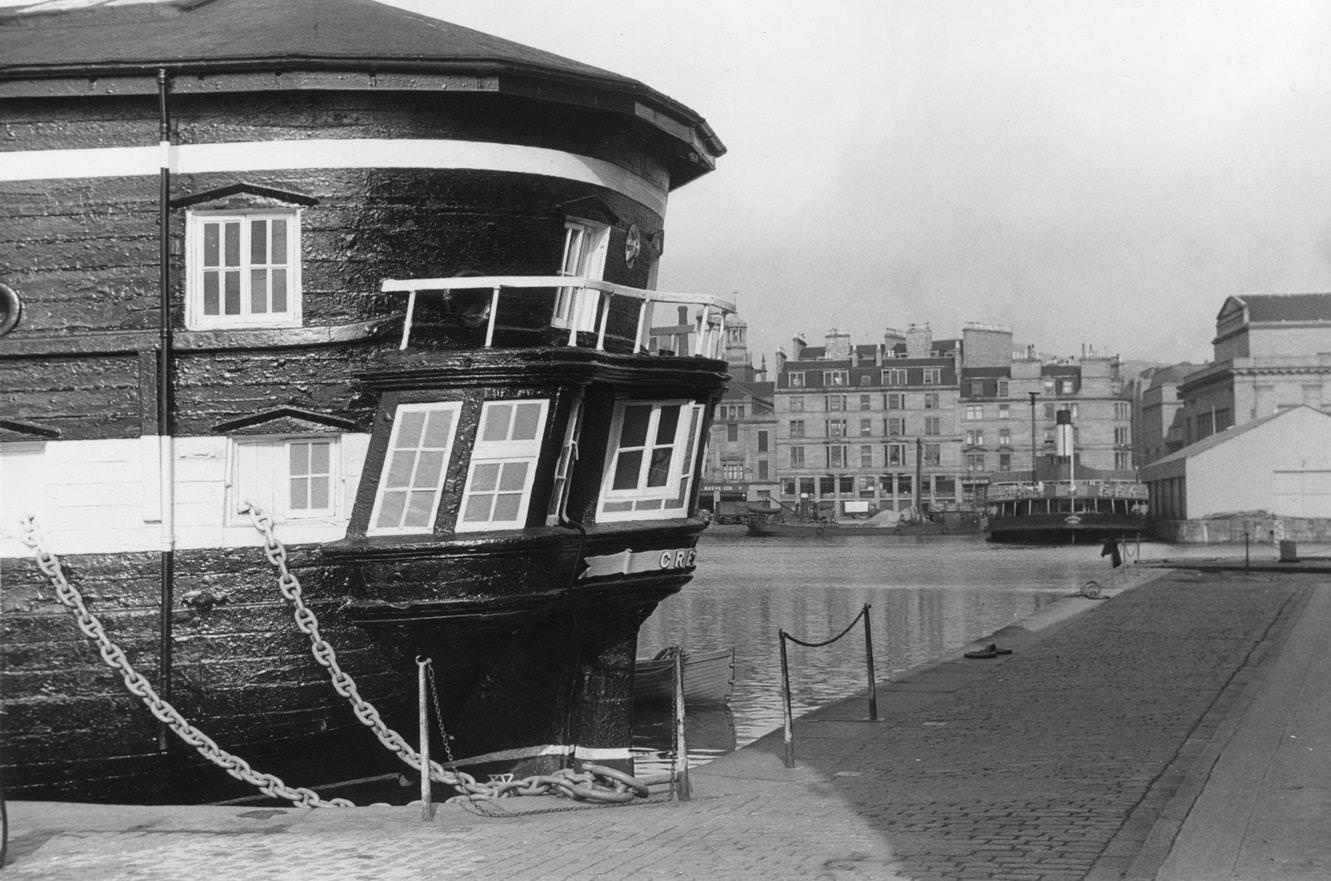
697 146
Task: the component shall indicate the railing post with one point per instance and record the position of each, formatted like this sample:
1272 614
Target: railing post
682 786
868 662
644 305
424 719
603 300
494 313
406 321
788 732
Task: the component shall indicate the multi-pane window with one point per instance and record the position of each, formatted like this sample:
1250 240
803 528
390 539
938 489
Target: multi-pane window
866 402
975 461
1004 411
933 425
503 465
866 427
836 456
732 432
762 441
896 425
733 470
975 438
290 478
836 402
797 404
797 457
584 257
933 376
797 428
763 470
1123 460
1004 461
1065 387
933 454
835 378
931 400
1048 411
1122 410
896 455
1122 436
1004 437
974 411
895 401
866 456
650 467
1002 388
894 376
836 428
244 270
796 378
412 478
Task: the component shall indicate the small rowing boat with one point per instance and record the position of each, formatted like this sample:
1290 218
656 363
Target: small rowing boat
708 676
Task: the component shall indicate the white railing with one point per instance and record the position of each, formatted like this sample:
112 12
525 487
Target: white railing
707 336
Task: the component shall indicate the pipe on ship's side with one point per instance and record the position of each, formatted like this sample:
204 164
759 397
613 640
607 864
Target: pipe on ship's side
165 429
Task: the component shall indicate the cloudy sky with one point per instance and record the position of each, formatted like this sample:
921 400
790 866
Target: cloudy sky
1099 173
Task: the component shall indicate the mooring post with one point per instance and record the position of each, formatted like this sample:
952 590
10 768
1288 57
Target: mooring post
788 718
683 789
422 701
868 663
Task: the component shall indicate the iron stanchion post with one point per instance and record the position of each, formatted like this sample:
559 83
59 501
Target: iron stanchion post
683 789
789 721
424 718
868 662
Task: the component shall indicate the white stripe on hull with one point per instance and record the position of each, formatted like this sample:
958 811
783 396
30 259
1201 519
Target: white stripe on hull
101 496
28 165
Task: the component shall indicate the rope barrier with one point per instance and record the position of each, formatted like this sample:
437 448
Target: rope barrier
789 718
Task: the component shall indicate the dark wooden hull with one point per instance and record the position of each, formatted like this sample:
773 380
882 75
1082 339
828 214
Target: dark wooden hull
1084 527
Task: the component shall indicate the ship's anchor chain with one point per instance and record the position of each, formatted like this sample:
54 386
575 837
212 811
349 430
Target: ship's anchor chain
592 783
114 657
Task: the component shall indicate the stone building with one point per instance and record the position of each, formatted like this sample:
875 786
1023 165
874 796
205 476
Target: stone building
740 468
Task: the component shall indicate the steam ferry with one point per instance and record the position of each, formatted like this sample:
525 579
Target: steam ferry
391 281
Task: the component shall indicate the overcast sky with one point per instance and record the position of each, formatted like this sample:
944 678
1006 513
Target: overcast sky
1086 173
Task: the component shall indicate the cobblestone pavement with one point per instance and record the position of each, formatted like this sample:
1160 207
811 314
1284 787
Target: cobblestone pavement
1054 762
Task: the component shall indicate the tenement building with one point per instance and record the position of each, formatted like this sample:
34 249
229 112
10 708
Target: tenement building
740 467
917 422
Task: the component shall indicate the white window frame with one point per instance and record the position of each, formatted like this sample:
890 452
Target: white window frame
196 224
586 243
685 446
259 471
507 452
437 487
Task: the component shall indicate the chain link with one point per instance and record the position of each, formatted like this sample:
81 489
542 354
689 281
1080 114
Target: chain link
111 653
594 783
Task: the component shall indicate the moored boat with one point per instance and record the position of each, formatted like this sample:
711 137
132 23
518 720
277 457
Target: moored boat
392 281
1086 510
709 677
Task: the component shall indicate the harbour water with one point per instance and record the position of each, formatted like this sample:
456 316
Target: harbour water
928 596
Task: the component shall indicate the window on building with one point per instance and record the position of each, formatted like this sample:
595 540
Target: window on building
1122 435
732 432
1065 387
585 245
866 427
895 376
1048 411
866 402
649 470
933 376
895 401
836 428
835 378
796 378
762 441
1123 460
797 428
974 412
977 388
797 457
503 465
788 486
932 426
1048 385
866 456
1004 461
975 438
836 402
412 479
763 466
896 425
827 486
931 400
836 456
807 486
1004 411
797 404
243 269
846 485
933 454
1122 410
1003 388
866 379
1004 437
975 461
732 471
895 455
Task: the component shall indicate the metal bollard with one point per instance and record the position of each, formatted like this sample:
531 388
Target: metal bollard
788 720
683 788
868 663
422 699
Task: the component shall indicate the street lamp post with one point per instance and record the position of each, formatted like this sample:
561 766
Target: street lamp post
1034 472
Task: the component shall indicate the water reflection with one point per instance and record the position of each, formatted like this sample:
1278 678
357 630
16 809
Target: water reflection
930 595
